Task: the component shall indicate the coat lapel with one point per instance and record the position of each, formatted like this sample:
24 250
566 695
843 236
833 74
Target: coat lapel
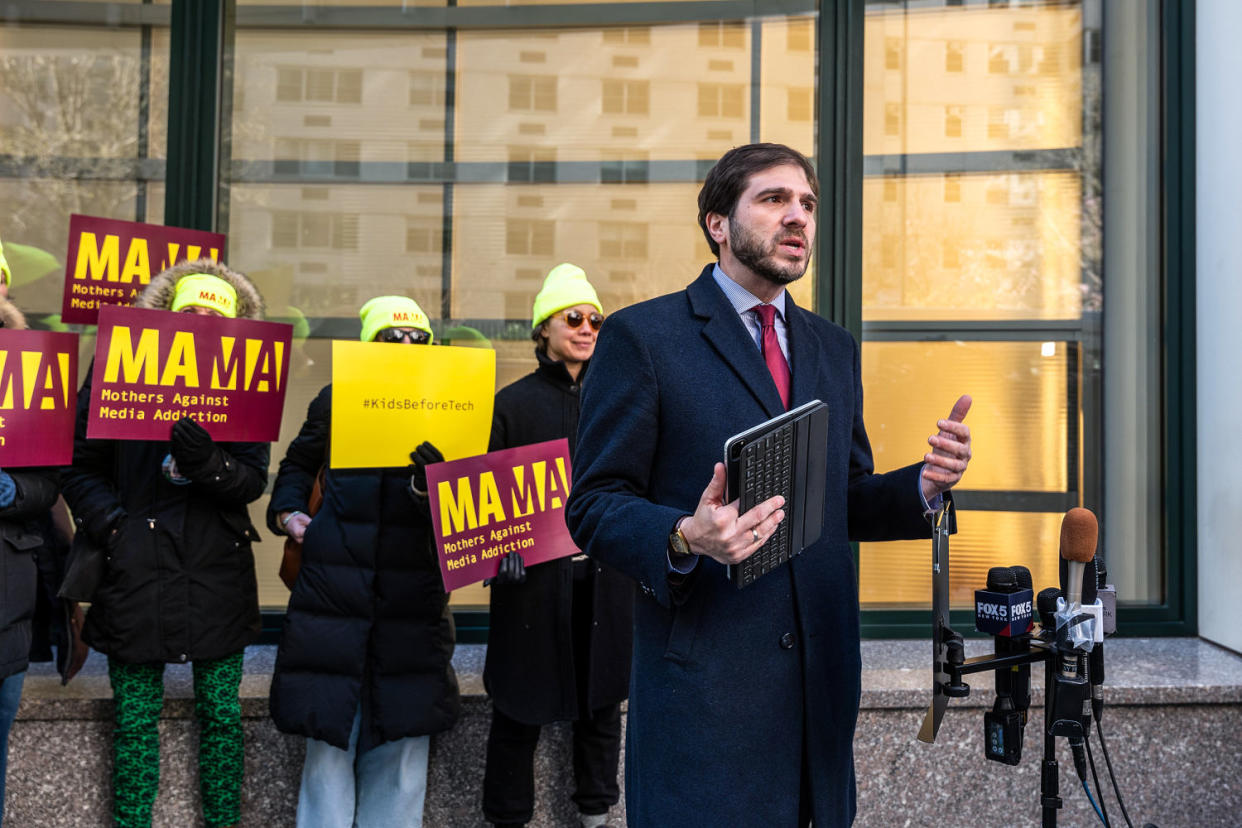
804 351
723 328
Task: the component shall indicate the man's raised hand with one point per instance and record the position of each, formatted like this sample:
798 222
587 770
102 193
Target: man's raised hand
945 464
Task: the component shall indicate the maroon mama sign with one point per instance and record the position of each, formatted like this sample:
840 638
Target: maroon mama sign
110 261
38 399
487 506
154 367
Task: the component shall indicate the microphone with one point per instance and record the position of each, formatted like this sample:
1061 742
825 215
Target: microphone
1079 531
1004 610
1046 602
1072 708
1022 674
1095 658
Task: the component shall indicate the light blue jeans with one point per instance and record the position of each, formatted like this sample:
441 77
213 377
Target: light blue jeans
383 788
10 696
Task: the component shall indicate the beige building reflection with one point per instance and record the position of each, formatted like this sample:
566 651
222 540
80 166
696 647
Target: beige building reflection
586 144
975 213
576 145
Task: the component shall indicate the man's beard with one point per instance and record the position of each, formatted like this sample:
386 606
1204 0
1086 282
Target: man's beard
760 256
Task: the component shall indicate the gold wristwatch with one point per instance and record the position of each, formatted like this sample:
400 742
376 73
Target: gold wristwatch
678 546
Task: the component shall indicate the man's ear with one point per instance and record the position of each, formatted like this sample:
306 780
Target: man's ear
718 227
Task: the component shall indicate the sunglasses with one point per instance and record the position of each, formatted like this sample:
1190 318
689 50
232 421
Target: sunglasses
574 319
411 335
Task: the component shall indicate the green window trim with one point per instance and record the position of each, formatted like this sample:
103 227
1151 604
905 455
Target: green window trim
201 38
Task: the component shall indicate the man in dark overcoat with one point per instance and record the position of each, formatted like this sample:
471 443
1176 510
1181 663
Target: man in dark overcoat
743 701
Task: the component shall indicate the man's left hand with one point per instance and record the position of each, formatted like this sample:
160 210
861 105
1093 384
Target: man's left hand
945 464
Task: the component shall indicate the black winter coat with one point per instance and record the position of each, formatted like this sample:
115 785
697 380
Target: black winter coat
180 583
529 671
368 620
21 536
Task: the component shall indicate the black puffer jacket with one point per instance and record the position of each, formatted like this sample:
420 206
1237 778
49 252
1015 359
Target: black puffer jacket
529 671
368 621
180 582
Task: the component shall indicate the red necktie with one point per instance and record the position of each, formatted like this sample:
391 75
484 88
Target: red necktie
772 353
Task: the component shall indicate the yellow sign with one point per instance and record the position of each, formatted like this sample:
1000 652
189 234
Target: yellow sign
387 398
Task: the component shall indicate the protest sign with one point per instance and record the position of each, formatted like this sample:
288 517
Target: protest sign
153 367
387 398
38 397
110 261
511 500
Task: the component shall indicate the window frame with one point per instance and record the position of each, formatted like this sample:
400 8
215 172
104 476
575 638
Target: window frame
196 196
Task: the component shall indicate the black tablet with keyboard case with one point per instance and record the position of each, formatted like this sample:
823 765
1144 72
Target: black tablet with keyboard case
787 456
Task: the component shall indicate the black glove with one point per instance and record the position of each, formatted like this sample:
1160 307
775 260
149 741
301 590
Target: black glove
191 444
99 525
420 459
512 571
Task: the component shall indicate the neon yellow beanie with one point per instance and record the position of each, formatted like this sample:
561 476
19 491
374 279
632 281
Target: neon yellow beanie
205 291
565 286
392 312
5 273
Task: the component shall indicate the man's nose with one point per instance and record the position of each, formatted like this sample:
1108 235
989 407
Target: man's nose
797 215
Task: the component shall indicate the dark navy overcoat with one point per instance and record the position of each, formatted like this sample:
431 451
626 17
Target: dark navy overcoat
730 688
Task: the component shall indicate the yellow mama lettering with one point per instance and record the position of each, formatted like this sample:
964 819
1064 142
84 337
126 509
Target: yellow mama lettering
457 512
97 260
100 258
34 380
137 263
124 359
460 510
541 489
538 487
260 370
192 252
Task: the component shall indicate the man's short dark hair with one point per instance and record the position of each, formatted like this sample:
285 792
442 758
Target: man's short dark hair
728 178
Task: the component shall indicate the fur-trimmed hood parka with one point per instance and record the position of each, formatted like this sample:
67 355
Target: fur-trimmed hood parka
159 293
180 583
10 317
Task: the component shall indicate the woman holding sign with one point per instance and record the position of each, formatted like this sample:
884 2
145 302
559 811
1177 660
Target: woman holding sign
364 667
180 583
26 495
559 646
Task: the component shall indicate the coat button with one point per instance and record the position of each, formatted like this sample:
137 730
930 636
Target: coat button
787 641
182 657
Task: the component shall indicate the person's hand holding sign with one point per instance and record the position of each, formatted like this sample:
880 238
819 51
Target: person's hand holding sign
945 464
192 446
420 459
512 571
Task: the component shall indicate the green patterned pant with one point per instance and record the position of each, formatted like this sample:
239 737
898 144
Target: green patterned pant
138 690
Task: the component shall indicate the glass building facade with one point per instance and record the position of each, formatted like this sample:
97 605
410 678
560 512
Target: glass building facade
992 216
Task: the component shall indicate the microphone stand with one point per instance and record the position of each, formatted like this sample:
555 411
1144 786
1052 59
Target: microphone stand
949 666
1050 774
1041 652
